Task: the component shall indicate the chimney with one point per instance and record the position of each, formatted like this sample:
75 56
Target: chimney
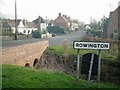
65 16
59 14
39 19
24 22
69 17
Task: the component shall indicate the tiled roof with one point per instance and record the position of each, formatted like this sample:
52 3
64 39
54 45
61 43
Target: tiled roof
30 25
11 22
51 21
39 19
68 19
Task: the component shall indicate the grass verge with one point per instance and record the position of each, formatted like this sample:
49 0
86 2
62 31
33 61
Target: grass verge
23 77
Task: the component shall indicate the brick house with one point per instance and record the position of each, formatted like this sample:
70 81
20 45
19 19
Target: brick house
113 24
66 22
62 22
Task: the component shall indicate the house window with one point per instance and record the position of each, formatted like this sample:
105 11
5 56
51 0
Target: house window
28 31
24 31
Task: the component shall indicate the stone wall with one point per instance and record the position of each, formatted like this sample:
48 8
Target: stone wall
12 37
20 55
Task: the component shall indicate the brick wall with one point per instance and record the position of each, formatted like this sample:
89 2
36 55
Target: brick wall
20 55
113 29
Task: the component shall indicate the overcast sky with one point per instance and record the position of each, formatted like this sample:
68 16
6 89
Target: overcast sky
82 10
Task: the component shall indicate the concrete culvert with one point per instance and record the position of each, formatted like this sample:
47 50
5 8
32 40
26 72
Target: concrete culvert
35 61
27 65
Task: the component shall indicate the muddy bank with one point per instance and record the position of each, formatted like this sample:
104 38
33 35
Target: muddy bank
67 63
57 62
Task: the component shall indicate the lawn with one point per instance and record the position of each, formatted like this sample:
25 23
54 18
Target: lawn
27 77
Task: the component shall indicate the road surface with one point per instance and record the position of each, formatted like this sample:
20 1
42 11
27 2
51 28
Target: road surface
69 38
58 40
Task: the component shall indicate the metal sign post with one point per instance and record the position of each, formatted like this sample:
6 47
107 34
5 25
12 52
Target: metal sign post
99 66
90 45
91 65
78 64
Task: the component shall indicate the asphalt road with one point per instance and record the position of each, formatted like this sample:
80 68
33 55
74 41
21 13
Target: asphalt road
69 38
58 40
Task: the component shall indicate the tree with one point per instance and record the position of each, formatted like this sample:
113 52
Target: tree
80 24
104 23
98 27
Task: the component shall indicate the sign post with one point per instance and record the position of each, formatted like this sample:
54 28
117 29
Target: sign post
78 64
99 66
90 45
90 70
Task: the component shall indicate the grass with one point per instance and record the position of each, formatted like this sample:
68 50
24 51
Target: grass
110 55
24 77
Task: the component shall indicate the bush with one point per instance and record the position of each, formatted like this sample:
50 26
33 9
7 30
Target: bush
36 34
56 30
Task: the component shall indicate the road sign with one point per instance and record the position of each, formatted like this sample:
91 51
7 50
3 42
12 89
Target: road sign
91 45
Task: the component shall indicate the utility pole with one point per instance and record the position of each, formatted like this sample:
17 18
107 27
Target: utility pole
1 26
15 21
40 30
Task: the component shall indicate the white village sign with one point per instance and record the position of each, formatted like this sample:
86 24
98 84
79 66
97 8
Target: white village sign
90 45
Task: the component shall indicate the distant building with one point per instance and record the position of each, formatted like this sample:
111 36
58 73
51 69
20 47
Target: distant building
51 23
65 22
41 23
23 26
42 26
29 27
113 24
61 22
87 27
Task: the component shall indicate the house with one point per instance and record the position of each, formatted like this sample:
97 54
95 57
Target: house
75 25
87 27
62 22
41 23
42 26
51 23
65 22
8 25
23 26
28 27
113 24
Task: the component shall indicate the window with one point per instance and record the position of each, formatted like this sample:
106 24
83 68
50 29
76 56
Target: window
24 31
28 31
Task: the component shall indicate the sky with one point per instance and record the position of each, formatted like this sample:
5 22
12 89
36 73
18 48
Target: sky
83 10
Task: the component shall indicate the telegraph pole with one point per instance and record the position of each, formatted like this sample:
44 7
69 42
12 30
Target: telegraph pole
15 21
